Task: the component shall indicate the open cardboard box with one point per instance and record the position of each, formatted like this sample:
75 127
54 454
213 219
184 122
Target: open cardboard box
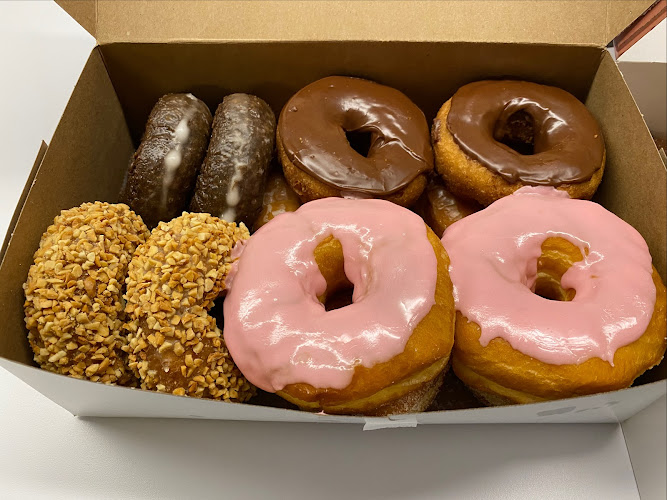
425 49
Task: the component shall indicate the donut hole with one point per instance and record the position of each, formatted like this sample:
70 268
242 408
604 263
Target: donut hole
557 257
548 287
360 141
330 261
517 132
339 298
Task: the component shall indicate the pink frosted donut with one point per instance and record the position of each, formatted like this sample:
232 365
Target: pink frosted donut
280 334
602 280
494 268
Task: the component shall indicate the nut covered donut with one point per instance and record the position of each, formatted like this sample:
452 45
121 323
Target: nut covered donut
318 159
74 292
493 137
384 353
174 344
604 325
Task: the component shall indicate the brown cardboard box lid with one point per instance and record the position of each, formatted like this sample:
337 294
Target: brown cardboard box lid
582 22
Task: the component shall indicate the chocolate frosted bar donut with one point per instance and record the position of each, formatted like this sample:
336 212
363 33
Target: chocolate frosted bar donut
233 175
164 167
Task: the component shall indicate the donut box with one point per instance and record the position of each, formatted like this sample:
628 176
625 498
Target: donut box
271 49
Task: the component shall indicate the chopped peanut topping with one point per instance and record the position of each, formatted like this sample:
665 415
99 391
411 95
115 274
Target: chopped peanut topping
73 306
174 277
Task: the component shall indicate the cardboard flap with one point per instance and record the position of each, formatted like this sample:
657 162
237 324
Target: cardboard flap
83 12
587 22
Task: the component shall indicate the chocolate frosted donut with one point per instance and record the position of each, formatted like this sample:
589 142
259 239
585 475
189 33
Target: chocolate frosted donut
494 137
162 174
234 172
319 160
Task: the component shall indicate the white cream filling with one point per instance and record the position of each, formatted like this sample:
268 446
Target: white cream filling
229 214
172 160
238 141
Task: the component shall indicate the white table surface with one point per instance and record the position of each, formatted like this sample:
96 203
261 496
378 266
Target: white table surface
46 452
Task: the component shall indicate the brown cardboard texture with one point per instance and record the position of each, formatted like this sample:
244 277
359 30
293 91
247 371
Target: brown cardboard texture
102 123
83 11
590 22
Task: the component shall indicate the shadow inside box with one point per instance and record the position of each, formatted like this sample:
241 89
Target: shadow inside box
264 398
454 395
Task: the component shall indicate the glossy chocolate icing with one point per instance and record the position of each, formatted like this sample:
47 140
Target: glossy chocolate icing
163 170
313 126
234 172
567 141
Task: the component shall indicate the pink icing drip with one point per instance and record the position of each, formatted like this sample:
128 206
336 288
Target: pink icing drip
494 265
279 333
237 250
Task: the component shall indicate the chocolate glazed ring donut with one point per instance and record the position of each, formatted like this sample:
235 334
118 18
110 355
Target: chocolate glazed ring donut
494 137
164 168
318 159
234 172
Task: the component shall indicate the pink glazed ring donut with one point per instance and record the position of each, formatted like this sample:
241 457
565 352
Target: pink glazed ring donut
604 324
385 352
